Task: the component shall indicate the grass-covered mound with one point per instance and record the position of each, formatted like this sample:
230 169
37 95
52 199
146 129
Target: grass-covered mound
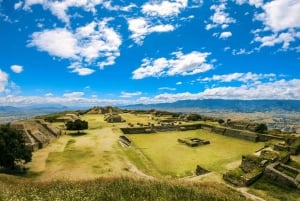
114 189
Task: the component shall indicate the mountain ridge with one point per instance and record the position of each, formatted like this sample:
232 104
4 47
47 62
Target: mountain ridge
245 106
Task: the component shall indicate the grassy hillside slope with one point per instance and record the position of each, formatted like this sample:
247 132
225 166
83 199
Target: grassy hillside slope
113 188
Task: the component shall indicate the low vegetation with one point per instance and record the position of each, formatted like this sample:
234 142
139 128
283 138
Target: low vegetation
114 188
269 190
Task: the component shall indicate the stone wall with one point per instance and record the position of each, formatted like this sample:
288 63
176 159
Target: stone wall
135 130
165 128
37 132
245 135
281 178
124 140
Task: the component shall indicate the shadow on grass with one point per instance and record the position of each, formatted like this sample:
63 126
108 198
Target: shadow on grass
26 174
76 134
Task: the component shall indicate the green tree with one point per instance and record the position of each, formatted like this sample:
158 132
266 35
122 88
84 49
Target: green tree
77 125
194 117
12 147
221 121
261 128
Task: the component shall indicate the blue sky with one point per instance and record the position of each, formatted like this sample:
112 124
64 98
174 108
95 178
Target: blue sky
99 52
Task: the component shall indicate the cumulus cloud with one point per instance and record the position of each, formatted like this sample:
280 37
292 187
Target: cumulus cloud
58 42
16 68
225 35
220 18
281 14
285 38
164 8
141 27
180 64
94 43
3 80
281 22
130 94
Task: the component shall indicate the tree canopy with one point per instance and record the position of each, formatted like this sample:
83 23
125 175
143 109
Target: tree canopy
12 147
261 128
77 125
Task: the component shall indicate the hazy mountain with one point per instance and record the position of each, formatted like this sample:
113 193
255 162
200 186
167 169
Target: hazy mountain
225 105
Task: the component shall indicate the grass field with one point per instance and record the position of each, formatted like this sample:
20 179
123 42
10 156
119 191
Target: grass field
88 156
177 160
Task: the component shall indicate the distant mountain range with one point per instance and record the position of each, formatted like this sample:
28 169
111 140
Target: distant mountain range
221 105
9 113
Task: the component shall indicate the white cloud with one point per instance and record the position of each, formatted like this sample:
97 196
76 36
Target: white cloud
225 35
178 83
281 22
164 8
130 94
140 28
92 44
3 80
16 68
241 51
220 18
83 71
49 95
285 39
67 100
241 77
281 89
180 64
256 3
73 94
60 8
281 14
167 88
18 5
58 42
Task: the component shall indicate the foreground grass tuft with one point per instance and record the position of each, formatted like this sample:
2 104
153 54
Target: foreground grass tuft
109 189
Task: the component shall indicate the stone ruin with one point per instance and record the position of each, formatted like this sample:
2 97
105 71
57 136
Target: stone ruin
193 141
291 145
159 128
268 163
283 174
113 118
124 141
200 170
37 132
